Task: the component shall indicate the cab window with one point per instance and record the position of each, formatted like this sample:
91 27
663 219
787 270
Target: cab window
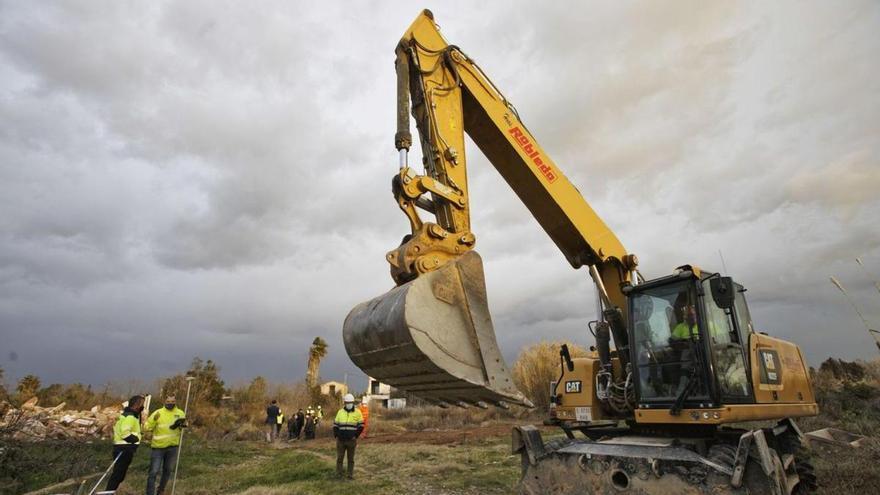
666 340
726 348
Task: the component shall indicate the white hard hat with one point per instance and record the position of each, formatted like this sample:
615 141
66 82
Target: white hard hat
348 398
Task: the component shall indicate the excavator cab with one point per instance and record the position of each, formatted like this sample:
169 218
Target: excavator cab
691 356
688 342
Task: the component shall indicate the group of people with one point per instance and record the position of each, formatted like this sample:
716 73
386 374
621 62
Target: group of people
349 424
303 424
166 424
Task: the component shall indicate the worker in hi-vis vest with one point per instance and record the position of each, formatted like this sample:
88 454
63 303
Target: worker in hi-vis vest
167 425
279 421
126 438
347 427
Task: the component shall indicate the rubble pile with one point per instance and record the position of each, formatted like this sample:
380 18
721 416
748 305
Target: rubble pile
33 422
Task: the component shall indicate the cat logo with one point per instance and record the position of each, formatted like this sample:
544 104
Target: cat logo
573 387
769 362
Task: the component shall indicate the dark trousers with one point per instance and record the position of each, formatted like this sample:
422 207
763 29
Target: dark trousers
343 448
121 467
292 430
160 460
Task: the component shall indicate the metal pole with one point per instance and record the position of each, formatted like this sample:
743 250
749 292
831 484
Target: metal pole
189 381
105 473
871 332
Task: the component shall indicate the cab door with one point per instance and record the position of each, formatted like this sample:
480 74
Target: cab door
727 332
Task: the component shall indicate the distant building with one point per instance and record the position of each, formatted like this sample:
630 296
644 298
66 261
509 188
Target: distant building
333 388
377 392
396 403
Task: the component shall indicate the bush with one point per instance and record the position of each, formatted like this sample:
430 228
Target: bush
848 394
537 366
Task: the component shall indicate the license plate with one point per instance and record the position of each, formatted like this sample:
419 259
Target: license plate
583 414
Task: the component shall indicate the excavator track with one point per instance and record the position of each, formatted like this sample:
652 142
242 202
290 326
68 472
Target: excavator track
648 466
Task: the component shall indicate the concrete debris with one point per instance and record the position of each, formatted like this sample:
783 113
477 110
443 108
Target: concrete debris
32 422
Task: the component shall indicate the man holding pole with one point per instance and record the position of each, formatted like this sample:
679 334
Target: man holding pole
126 438
167 426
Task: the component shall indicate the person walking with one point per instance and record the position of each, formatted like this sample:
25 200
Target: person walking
167 425
347 427
272 413
126 438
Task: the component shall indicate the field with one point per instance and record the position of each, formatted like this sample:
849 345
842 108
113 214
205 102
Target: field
459 461
415 451
411 452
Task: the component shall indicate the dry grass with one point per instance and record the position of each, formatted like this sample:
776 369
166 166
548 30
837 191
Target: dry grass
538 365
417 419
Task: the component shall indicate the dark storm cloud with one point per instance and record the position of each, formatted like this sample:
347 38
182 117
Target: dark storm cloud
194 178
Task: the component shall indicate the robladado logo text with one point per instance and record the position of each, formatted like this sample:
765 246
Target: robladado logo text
527 146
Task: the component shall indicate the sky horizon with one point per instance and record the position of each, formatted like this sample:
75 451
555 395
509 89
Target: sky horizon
199 179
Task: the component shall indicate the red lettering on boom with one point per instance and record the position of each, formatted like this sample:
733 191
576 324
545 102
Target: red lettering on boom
532 153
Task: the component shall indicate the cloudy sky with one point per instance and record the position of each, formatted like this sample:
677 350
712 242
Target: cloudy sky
211 179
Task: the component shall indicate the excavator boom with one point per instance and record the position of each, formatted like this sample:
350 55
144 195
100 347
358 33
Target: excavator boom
432 335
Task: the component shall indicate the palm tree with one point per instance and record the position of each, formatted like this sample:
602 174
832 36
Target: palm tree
316 354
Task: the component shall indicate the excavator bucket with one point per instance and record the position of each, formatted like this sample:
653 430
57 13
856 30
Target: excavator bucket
433 337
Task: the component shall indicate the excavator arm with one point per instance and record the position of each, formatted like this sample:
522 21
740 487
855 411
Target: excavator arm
450 96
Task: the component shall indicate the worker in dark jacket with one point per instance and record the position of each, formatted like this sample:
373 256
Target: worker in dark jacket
309 427
126 438
272 413
347 427
294 425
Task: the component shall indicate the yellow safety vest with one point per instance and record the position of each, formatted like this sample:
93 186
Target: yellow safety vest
280 418
160 424
681 331
127 424
347 423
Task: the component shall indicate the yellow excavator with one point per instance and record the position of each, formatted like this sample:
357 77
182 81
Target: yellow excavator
675 361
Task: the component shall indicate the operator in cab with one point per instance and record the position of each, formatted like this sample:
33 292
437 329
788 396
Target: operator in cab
687 327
